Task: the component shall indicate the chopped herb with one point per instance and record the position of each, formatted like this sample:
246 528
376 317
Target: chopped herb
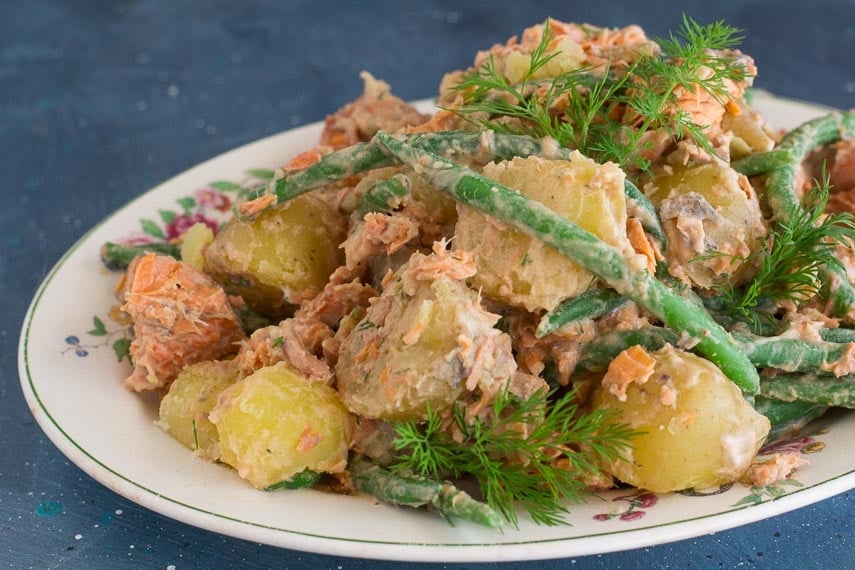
277 341
542 470
791 256
606 115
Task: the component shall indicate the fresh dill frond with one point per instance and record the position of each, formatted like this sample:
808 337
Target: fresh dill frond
605 114
536 453
422 457
792 255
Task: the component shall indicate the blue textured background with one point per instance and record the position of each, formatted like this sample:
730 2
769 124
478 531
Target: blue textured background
99 101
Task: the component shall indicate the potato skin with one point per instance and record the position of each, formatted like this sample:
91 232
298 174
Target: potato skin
707 437
193 394
283 256
275 424
712 218
523 271
749 135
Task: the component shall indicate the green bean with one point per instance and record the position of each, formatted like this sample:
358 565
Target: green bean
640 207
837 335
413 491
787 417
597 354
117 257
333 167
303 480
360 157
791 354
811 387
452 502
591 304
482 147
786 354
780 187
762 162
763 327
585 249
382 196
782 197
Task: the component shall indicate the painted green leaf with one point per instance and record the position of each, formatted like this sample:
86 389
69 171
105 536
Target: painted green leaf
751 499
152 229
167 216
122 348
260 173
225 185
187 203
99 330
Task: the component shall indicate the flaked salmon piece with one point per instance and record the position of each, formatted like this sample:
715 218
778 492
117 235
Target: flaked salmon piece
842 178
442 120
377 234
454 264
376 109
303 340
773 470
181 316
374 439
292 342
842 172
335 301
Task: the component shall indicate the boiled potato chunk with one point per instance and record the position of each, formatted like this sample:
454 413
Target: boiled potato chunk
565 55
523 271
749 135
420 345
196 239
191 397
698 430
712 219
281 257
275 424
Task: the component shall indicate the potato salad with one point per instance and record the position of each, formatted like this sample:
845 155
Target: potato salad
593 265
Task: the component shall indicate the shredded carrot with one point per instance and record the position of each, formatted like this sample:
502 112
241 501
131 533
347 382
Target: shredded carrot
632 365
303 160
640 243
732 107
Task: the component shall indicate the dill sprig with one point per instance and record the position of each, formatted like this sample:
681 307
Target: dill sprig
792 254
516 457
587 109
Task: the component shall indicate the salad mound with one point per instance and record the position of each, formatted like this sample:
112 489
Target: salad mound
593 265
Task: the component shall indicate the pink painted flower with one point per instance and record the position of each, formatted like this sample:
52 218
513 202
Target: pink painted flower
632 516
210 198
791 446
182 223
647 500
601 517
136 240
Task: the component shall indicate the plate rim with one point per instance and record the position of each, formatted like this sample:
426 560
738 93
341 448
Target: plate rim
558 547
